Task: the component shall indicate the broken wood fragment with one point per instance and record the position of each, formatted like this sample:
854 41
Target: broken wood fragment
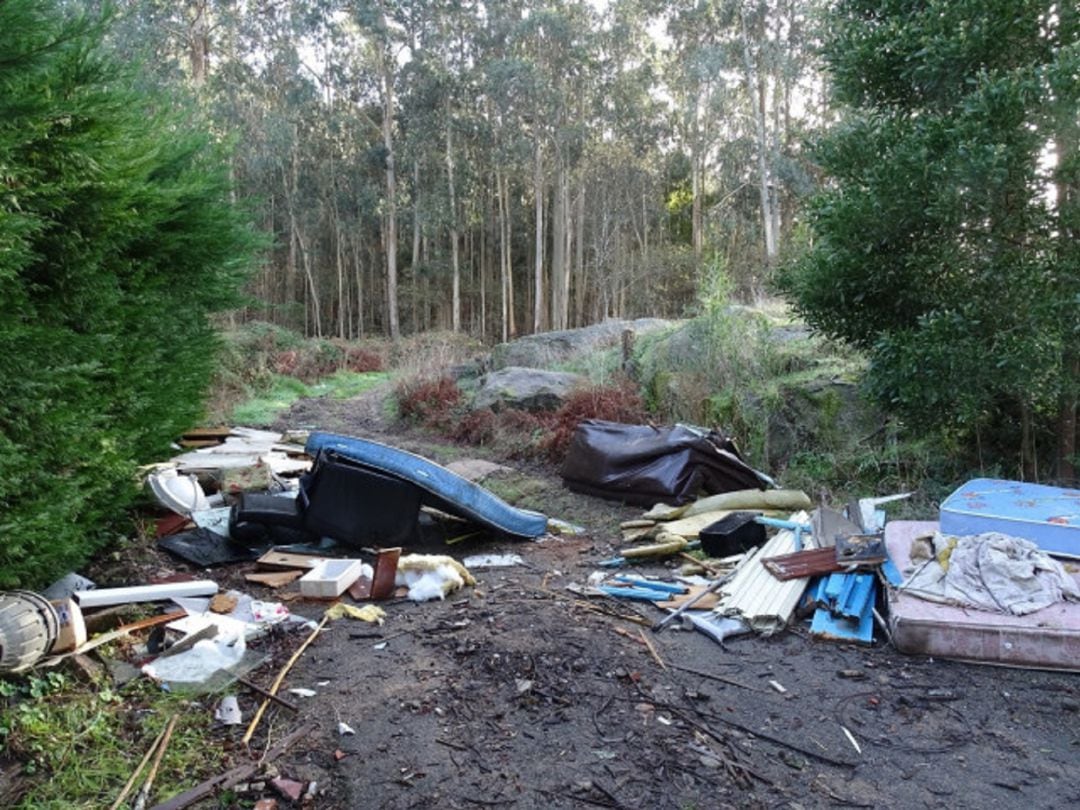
289 559
274 579
281 677
236 775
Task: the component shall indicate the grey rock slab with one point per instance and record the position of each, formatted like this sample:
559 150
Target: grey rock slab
527 389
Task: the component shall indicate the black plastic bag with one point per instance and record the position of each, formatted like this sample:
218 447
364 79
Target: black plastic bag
646 465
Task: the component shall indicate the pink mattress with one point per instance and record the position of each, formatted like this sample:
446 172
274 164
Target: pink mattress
1046 639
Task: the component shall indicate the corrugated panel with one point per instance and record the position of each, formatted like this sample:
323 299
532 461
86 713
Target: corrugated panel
759 598
808 563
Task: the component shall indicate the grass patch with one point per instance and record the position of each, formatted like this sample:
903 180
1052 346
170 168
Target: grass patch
284 391
78 745
347 384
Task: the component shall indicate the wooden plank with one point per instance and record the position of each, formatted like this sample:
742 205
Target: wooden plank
218 432
195 444
808 563
234 777
707 602
274 579
290 559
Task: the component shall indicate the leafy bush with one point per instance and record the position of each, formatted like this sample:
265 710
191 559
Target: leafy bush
476 428
944 245
618 402
429 402
117 239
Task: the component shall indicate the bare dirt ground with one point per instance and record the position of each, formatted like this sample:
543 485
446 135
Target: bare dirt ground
516 694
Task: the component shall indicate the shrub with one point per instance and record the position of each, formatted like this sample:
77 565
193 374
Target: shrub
478 427
117 239
619 402
429 402
520 434
361 359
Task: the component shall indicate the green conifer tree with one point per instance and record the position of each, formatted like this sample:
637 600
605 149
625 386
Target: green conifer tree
117 239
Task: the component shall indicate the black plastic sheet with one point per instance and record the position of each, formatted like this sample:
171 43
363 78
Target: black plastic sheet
645 465
206 548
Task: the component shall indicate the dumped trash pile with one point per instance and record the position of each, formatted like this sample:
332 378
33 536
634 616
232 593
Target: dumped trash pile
845 572
312 531
302 517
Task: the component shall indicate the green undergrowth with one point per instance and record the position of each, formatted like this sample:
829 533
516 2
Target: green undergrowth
263 361
284 391
79 743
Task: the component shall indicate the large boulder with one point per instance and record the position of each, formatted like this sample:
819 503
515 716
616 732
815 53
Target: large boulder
526 389
548 349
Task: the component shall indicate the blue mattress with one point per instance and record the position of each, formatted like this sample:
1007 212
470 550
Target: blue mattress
442 489
1047 516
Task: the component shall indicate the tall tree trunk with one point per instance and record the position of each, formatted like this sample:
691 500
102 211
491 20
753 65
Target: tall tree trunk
305 259
198 42
503 263
697 171
757 105
391 194
538 278
558 244
455 267
359 275
484 227
1068 214
579 258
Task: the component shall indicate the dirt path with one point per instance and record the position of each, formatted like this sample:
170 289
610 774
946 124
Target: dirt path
515 694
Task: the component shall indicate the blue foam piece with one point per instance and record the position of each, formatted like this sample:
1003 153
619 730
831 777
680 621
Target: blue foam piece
441 488
858 592
844 595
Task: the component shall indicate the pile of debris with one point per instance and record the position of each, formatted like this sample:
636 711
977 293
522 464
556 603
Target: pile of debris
325 520
318 519
981 584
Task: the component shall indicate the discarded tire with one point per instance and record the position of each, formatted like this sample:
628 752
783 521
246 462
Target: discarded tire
28 629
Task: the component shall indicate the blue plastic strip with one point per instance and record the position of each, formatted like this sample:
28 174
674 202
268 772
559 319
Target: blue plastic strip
639 594
668 587
826 625
859 593
892 573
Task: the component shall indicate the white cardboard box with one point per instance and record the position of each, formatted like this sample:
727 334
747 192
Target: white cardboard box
330 578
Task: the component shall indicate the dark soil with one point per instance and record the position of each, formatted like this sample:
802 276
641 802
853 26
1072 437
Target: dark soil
517 694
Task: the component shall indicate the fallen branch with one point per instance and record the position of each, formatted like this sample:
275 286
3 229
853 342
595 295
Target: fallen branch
278 680
135 774
235 776
652 650
266 693
720 678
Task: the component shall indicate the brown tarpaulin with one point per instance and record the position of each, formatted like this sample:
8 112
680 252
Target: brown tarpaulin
645 465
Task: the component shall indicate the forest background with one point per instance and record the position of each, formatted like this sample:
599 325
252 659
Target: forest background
905 174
